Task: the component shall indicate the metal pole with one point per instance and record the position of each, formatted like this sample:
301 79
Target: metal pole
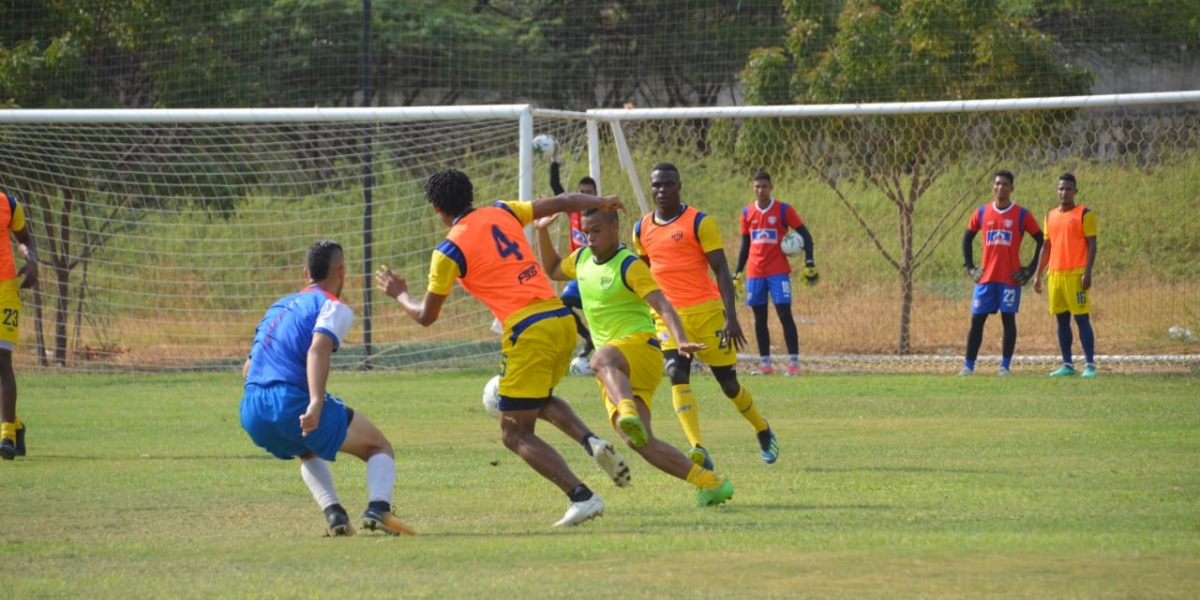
367 185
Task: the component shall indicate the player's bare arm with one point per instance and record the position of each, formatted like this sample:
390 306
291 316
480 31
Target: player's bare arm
425 312
574 202
720 268
319 353
1042 261
670 318
551 261
1086 280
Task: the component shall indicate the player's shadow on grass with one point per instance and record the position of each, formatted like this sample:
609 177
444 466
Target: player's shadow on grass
901 470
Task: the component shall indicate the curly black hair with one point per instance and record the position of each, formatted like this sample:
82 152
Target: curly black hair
450 191
319 257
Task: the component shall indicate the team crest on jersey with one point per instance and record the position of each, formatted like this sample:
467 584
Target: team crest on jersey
676 235
1008 223
771 220
606 282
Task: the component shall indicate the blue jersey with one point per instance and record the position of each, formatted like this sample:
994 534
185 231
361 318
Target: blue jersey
283 337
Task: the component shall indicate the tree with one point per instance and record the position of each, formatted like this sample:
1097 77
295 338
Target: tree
905 50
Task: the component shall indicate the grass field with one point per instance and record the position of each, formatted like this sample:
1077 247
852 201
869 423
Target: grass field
888 486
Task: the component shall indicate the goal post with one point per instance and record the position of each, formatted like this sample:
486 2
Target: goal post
886 190
164 235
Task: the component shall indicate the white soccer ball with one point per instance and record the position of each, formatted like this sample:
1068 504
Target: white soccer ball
581 366
491 397
792 244
543 146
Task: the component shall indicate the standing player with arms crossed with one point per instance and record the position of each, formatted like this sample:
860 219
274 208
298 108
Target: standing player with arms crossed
998 283
1070 255
570 293
681 245
768 272
12 220
487 253
618 292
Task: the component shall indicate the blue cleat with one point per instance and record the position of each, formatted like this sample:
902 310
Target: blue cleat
699 457
769 445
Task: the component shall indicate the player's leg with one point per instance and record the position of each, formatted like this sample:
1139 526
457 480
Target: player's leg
744 401
8 406
791 338
780 289
571 298
537 353
984 301
611 369
367 442
1010 305
559 413
756 299
1080 310
1065 340
1060 289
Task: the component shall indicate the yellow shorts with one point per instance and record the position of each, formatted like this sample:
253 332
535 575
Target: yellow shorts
707 328
536 353
645 359
1064 290
10 313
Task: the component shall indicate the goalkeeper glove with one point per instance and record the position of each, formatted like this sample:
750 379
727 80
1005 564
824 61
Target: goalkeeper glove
739 286
976 273
1023 275
810 275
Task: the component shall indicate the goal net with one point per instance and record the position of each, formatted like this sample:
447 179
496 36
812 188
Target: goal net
887 191
163 236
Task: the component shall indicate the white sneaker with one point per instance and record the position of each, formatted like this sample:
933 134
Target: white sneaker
582 511
610 461
966 372
1002 372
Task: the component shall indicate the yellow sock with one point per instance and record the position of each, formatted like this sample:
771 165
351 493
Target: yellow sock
745 404
626 408
8 430
19 424
687 411
703 478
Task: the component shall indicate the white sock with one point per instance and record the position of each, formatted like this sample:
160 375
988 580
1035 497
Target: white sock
319 478
381 477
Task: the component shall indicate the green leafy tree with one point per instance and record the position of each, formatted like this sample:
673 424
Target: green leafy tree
904 50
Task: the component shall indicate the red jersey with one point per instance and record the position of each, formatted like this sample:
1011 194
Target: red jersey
578 238
1003 231
766 228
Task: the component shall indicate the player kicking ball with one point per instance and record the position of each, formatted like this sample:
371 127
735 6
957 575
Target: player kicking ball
618 292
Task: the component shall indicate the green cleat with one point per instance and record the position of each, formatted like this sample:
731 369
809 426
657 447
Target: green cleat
634 428
1064 371
715 496
1088 371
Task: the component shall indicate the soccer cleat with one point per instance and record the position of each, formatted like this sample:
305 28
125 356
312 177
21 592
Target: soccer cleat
339 522
21 440
792 371
715 496
763 370
966 372
379 517
769 445
1003 372
610 461
634 428
699 457
1088 371
1064 371
579 512
8 449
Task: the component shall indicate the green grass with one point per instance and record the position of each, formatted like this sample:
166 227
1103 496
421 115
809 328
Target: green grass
887 487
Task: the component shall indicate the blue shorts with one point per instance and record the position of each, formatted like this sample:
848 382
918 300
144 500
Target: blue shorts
271 415
778 286
570 294
992 297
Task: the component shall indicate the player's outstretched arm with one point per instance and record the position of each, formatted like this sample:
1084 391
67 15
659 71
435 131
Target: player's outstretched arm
670 318
574 202
425 311
551 261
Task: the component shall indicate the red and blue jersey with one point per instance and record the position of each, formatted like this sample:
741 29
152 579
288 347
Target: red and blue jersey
766 228
1003 230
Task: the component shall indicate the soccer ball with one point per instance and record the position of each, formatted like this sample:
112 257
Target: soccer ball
581 366
792 244
491 397
543 146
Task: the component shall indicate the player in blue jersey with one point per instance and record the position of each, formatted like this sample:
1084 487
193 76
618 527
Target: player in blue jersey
287 410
